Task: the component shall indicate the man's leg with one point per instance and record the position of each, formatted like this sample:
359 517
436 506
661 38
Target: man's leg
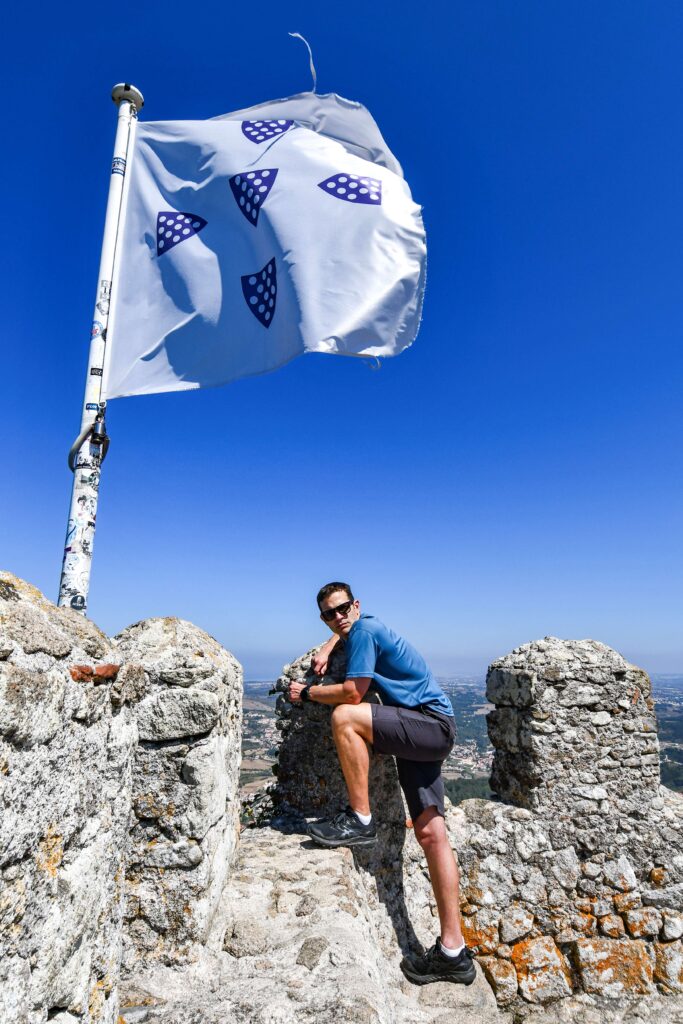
352 731
431 834
435 964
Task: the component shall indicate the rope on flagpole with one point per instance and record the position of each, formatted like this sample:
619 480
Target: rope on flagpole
297 35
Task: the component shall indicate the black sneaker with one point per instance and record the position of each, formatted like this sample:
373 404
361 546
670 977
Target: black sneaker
345 829
436 966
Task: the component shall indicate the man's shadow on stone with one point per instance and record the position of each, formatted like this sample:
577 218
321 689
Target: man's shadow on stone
310 784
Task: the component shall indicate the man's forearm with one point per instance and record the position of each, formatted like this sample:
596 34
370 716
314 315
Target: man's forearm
351 691
333 694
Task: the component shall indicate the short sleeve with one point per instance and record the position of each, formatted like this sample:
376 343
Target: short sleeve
361 654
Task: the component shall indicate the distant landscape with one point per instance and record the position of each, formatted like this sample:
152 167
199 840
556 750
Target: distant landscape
466 771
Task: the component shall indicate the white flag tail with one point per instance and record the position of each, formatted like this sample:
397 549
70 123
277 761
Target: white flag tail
252 239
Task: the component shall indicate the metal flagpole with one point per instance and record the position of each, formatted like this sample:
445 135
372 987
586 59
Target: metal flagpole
90 447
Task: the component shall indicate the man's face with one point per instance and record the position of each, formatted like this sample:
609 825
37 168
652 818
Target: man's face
347 612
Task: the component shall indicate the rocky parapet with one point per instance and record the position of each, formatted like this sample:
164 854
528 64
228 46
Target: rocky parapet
185 786
573 883
66 748
119 764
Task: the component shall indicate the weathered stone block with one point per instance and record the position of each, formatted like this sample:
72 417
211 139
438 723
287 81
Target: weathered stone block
177 713
613 968
612 926
672 925
669 898
515 923
501 976
480 931
644 923
543 973
669 965
620 875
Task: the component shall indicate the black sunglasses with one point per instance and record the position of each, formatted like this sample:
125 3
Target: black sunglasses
341 609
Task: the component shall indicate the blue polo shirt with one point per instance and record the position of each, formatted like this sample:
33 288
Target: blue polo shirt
401 675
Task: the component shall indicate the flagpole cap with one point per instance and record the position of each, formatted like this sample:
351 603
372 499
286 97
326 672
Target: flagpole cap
124 91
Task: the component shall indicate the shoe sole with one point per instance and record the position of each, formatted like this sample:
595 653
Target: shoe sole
425 979
351 841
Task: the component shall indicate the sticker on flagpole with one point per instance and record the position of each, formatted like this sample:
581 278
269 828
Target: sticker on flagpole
174 228
353 188
259 131
251 189
259 292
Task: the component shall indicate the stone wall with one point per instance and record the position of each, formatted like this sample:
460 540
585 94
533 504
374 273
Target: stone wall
574 882
66 744
185 786
119 766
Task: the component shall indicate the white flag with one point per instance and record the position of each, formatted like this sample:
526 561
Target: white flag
255 237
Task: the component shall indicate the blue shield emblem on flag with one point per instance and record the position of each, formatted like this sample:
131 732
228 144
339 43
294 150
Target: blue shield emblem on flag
262 131
251 189
353 188
259 292
174 228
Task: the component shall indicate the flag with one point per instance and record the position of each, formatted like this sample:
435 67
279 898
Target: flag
254 237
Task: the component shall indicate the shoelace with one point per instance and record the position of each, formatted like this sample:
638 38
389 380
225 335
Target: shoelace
343 818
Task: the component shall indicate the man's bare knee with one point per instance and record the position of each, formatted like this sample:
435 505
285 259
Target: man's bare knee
352 718
341 716
430 829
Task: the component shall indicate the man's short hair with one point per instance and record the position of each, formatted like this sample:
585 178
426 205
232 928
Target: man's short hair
330 588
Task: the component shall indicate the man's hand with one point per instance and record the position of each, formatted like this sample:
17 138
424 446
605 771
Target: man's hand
295 688
319 661
321 658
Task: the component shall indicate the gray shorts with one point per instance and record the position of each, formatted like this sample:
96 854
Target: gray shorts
420 741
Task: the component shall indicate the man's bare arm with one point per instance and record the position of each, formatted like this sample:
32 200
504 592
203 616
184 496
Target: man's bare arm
351 691
320 658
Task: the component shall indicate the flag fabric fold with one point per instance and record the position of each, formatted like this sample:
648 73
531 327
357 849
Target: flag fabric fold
252 238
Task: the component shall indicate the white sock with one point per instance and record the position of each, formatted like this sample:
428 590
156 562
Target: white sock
451 952
364 819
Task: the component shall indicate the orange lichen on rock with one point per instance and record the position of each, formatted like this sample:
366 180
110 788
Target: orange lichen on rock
612 926
584 924
669 965
542 971
50 852
480 931
613 969
624 901
502 978
643 923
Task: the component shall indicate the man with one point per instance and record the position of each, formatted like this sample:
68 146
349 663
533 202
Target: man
415 723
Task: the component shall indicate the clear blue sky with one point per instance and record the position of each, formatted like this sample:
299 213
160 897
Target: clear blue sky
516 473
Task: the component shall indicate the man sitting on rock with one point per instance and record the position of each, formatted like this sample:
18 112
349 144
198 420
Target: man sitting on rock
415 723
